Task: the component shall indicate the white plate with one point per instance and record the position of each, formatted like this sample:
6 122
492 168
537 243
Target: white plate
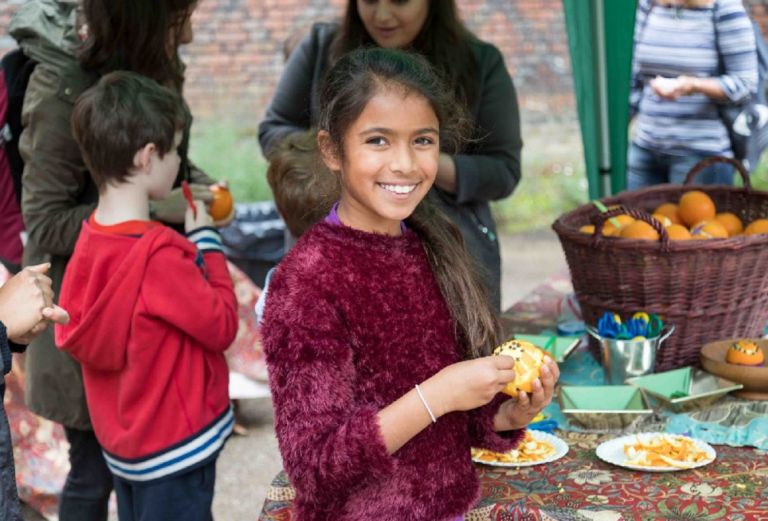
561 449
612 451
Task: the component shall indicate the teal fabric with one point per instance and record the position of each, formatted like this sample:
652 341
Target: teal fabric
735 423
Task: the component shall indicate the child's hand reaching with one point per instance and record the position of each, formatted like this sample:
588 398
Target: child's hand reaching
517 413
172 208
200 218
26 304
469 384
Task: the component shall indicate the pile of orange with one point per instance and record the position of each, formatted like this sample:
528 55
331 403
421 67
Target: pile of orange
693 217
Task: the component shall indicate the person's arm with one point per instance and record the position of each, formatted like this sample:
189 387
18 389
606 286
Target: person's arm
201 304
26 307
198 176
490 168
329 438
289 110
5 351
55 176
738 54
500 425
736 46
328 434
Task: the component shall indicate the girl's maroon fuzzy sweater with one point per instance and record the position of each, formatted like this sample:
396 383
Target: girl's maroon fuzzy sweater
353 321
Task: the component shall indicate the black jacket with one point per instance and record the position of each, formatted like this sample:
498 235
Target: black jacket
488 169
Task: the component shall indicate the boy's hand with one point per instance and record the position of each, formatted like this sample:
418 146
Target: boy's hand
173 208
24 302
192 221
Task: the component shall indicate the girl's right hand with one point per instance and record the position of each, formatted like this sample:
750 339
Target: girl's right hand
469 384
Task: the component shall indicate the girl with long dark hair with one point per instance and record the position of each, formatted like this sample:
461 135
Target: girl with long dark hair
377 331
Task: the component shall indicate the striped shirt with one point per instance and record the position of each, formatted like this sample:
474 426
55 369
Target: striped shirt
712 42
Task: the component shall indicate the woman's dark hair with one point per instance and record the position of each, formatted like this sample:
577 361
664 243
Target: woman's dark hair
350 84
443 40
136 35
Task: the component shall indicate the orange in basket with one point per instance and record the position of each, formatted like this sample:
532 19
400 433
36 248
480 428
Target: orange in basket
640 230
709 230
611 230
669 210
696 206
757 227
678 232
731 222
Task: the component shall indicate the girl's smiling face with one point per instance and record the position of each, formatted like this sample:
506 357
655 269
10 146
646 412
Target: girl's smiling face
393 24
389 161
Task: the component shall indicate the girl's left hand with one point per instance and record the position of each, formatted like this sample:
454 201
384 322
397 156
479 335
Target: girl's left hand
517 413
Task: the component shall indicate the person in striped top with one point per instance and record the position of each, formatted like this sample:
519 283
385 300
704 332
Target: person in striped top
690 56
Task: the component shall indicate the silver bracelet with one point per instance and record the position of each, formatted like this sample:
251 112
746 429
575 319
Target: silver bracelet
426 405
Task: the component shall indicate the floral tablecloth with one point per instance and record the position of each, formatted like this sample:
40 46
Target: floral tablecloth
39 446
580 487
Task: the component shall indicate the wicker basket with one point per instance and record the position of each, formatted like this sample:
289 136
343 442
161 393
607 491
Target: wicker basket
710 289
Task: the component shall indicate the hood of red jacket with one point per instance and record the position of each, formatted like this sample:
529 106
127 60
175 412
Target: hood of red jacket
101 288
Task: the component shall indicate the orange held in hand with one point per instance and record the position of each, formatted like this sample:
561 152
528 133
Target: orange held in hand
696 206
528 362
222 204
745 352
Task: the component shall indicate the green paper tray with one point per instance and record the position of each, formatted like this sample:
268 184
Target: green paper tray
560 347
602 406
683 389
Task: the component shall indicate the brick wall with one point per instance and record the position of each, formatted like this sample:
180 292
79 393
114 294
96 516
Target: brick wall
236 57
237 53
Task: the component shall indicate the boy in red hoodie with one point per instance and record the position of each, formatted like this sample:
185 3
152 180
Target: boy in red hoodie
152 311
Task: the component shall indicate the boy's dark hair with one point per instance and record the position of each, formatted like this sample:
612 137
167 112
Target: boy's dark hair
118 116
350 84
303 187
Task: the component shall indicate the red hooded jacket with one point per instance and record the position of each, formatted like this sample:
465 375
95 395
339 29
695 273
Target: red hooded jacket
149 324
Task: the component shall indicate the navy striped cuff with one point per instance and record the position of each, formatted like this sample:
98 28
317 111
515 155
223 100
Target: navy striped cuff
206 239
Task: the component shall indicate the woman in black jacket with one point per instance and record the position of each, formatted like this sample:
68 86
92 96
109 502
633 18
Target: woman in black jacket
489 166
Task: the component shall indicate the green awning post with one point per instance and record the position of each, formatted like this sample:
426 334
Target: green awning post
600 38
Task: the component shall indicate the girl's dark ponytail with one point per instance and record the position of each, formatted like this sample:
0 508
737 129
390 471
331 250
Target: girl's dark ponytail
458 278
